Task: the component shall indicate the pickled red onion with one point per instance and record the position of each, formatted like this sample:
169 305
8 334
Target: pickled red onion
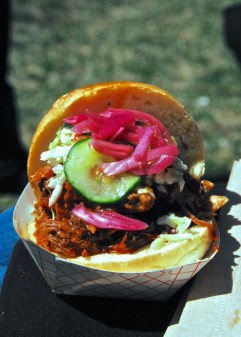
112 149
155 167
72 120
144 142
130 163
131 137
81 127
120 166
114 122
150 148
108 219
140 116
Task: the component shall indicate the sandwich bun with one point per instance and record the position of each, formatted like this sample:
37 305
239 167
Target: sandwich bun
167 250
126 95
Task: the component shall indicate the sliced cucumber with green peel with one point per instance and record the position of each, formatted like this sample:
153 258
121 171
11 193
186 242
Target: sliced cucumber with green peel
83 173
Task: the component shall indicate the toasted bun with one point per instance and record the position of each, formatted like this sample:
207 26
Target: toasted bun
129 95
167 250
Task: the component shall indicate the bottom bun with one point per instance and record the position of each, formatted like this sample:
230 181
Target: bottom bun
168 250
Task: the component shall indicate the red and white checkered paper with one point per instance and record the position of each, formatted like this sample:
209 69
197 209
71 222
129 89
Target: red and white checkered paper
69 278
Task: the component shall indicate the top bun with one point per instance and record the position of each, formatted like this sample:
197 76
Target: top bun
128 95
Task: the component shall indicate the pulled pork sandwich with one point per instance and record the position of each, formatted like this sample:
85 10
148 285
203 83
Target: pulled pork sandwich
116 170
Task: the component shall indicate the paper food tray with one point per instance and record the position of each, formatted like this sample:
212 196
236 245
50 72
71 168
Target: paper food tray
69 278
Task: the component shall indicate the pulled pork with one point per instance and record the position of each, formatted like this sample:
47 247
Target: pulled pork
59 231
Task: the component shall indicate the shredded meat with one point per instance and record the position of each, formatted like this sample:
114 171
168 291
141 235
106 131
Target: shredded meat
140 202
44 172
217 202
73 237
59 231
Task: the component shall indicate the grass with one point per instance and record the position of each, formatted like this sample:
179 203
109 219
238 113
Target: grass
177 45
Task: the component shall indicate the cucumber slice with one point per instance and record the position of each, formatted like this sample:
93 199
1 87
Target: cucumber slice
82 171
